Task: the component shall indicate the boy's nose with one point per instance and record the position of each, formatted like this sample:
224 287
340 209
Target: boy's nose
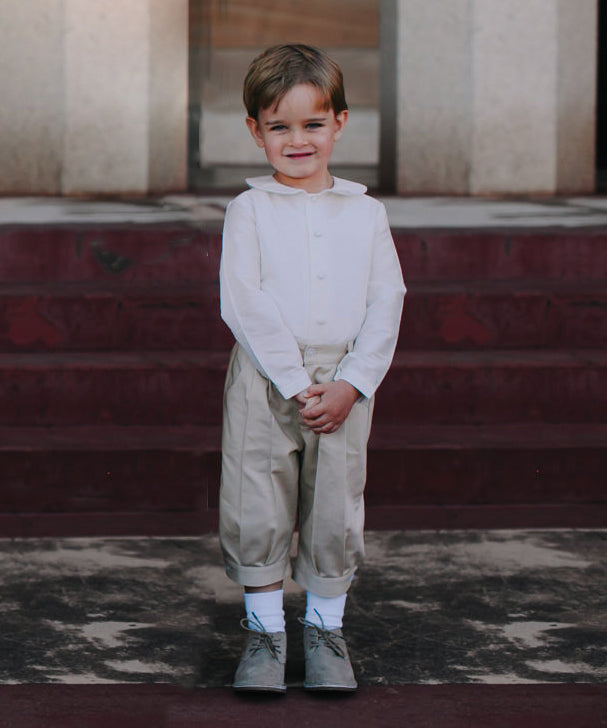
298 137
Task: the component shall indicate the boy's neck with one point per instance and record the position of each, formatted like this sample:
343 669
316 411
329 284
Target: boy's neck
307 185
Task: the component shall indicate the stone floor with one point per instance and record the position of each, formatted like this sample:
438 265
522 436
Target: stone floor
492 607
403 212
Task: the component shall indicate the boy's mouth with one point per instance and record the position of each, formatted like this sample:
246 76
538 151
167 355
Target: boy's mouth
299 155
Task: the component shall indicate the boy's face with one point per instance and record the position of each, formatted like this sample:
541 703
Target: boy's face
298 138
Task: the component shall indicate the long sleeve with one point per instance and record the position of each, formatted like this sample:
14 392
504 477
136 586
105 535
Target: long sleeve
249 311
366 365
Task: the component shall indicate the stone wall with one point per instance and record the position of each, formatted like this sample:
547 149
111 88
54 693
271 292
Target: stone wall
496 97
481 96
94 96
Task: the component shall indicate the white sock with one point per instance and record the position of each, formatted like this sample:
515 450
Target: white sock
265 608
327 611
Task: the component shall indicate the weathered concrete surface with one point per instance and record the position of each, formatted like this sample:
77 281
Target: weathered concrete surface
427 608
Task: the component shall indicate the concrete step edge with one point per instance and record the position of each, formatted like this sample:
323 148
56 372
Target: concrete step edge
218 359
207 438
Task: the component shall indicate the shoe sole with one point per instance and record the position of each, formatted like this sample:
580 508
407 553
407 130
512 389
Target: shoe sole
260 688
332 688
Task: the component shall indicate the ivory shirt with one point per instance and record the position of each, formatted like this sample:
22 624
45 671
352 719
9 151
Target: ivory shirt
311 269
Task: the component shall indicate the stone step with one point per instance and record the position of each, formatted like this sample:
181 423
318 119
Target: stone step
117 315
179 252
114 477
112 360
507 464
483 387
103 469
118 388
137 253
508 254
505 315
112 315
184 388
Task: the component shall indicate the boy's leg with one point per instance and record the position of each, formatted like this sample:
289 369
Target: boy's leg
331 544
331 522
262 664
260 470
327 612
331 505
258 505
264 606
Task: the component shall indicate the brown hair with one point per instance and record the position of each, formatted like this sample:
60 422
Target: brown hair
275 71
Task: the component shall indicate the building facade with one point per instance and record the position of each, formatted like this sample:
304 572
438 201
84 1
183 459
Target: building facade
466 97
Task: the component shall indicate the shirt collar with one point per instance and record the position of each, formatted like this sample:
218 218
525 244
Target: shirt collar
340 187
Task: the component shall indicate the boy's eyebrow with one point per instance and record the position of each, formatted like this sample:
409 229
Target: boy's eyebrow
271 122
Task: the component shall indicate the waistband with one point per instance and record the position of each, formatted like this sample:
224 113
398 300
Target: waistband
324 351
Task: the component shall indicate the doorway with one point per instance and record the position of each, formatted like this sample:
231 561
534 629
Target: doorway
225 35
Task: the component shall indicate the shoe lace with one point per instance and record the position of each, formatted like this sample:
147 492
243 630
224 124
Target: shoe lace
323 636
262 640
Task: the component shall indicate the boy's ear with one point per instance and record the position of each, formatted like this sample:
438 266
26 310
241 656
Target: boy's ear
341 119
254 129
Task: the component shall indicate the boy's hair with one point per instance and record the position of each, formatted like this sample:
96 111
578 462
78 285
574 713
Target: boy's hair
275 71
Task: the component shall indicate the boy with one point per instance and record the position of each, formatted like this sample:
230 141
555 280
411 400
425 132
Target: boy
312 290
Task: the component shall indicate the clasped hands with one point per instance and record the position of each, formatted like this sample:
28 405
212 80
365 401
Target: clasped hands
324 407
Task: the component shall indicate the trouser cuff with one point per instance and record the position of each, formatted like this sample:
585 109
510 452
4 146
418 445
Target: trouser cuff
259 575
324 586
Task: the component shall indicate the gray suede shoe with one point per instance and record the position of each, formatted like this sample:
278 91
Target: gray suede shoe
262 665
328 664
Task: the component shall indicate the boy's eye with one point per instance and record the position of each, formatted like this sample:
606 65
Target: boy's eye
315 125
277 127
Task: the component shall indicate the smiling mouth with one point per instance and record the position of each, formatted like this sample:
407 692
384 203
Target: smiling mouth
299 155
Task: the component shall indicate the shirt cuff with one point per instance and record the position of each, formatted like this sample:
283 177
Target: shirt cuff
364 388
294 386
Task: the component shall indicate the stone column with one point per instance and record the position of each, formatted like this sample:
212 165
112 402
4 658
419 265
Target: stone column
576 95
167 149
94 96
31 93
107 85
495 97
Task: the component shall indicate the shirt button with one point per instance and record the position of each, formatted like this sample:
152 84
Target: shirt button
311 351
321 321
321 276
317 234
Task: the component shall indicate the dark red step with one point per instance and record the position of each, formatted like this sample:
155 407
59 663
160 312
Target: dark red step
484 387
500 464
181 252
115 357
417 706
185 388
146 470
139 253
505 315
108 469
113 315
181 388
169 316
559 254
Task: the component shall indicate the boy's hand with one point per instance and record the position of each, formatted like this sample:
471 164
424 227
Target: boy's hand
336 401
305 401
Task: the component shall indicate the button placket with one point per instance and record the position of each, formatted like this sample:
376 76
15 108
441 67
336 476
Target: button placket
317 242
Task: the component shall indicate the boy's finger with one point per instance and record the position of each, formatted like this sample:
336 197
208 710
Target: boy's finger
318 389
312 401
316 410
320 421
301 398
326 430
